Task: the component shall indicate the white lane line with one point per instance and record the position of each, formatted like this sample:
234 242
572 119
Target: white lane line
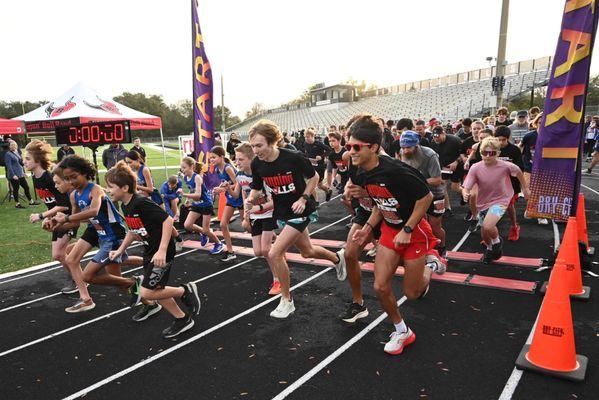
53 335
462 240
514 379
192 339
308 375
588 188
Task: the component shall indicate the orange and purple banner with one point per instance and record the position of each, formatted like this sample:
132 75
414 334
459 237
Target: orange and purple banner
555 180
203 130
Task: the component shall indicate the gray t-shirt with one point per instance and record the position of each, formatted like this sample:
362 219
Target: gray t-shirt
426 161
518 131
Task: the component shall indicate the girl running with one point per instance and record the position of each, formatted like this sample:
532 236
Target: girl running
145 183
257 218
153 226
105 231
226 173
37 160
201 203
285 171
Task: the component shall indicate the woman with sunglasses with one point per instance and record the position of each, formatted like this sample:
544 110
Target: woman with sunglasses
292 180
494 193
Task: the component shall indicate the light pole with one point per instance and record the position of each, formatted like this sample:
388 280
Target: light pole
500 68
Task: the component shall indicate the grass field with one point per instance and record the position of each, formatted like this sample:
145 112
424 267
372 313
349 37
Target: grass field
24 244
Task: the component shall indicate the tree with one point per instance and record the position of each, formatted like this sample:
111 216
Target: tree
256 109
230 120
11 109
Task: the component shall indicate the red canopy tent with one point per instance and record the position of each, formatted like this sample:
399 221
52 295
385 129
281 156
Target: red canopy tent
11 127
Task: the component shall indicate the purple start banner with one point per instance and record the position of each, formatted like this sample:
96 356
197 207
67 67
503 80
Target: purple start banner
555 179
203 130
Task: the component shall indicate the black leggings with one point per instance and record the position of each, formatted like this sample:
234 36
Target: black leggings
15 188
590 147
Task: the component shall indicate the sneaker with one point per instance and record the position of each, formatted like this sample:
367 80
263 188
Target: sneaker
275 288
371 252
329 194
514 233
437 264
217 249
487 256
178 326
191 298
399 341
203 240
284 309
468 216
81 306
542 221
178 243
497 250
18 205
228 257
473 224
146 311
340 266
353 313
135 291
69 288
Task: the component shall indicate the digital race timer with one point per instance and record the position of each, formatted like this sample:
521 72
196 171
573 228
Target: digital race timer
94 134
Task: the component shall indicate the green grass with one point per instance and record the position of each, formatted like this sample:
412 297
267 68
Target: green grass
24 244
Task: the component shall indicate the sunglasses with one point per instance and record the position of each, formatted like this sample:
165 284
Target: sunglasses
356 146
488 153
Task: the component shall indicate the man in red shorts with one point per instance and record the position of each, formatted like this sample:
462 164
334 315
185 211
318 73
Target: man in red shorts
402 198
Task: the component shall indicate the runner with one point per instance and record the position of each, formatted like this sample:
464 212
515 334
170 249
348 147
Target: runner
316 151
449 149
145 183
37 160
257 217
402 198
201 203
147 221
171 197
105 231
284 172
226 173
337 163
495 192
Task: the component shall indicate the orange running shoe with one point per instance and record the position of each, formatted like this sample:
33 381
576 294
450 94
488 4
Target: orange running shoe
275 288
514 234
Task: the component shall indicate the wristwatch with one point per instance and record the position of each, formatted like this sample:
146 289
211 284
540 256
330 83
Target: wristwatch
407 229
305 197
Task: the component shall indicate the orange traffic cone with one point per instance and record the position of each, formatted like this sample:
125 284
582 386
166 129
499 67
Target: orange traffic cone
581 220
569 255
222 202
553 351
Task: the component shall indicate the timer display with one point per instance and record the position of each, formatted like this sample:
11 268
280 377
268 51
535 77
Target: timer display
94 134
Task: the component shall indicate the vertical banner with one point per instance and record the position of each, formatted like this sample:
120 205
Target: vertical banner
203 130
555 179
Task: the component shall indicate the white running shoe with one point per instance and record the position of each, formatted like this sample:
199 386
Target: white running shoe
284 309
542 221
437 264
371 252
340 266
399 341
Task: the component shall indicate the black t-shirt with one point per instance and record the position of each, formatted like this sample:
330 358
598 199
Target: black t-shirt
507 122
449 150
395 187
529 142
140 150
145 218
336 160
512 153
286 177
47 192
467 144
312 150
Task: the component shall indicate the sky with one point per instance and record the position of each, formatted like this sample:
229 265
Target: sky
268 51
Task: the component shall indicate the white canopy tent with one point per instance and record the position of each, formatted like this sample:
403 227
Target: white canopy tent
80 105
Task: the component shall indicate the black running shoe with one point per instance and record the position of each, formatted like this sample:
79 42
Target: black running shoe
228 257
497 251
353 313
69 288
488 256
468 216
191 298
178 326
135 291
473 224
146 311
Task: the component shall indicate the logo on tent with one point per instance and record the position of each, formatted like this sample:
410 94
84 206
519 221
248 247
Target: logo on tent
52 111
104 105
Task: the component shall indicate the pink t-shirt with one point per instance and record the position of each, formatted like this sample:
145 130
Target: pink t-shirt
494 185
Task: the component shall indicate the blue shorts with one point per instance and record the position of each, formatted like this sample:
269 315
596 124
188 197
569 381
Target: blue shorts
495 209
105 247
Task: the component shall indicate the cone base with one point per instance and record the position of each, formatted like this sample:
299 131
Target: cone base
584 296
576 375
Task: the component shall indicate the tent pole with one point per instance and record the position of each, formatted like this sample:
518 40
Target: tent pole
163 154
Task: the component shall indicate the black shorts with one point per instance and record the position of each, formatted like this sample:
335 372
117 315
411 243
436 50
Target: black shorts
320 172
156 277
438 209
209 210
235 207
57 235
362 217
90 236
299 223
263 225
456 176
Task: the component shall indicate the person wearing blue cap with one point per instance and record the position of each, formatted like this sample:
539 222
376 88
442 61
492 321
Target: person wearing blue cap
426 161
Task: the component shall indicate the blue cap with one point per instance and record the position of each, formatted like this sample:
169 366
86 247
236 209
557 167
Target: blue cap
409 139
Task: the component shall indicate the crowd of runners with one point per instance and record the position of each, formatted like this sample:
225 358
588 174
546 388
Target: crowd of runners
393 177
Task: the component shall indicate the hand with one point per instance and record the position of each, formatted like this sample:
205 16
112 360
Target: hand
402 238
465 196
318 158
452 166
48 224
361 235
15 178
356 191
467 165
254 209
180 191
33 218
60 218
299 206
114 254
159 258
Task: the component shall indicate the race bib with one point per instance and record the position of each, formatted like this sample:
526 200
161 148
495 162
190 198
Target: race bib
439 206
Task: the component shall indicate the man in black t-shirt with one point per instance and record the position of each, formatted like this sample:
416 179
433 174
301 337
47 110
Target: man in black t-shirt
401 197
317 152
64 151
449 149
153 226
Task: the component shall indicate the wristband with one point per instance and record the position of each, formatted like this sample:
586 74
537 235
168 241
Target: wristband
305 197
41 216
370 225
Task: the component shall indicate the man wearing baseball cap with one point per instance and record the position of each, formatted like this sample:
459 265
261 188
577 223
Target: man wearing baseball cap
520 126
426 161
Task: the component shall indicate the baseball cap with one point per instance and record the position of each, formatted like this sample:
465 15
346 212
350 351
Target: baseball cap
409 139
522 113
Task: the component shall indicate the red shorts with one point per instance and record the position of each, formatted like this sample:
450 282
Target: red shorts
421 242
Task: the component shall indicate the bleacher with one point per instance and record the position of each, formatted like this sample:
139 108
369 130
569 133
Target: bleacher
466 94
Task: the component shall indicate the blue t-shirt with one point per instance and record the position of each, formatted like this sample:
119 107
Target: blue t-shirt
224 177
206 199
108 223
